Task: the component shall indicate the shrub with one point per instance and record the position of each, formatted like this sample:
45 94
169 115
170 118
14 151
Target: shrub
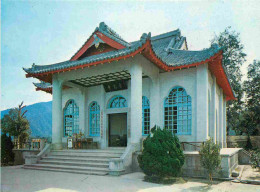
7 155
255 159
248 145
210 157
162 155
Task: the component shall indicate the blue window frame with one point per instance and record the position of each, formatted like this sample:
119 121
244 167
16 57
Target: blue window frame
94 119
71 118
117 101
146 115
177 112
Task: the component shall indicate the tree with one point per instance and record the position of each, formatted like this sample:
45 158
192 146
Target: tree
7 155
250 117
233 59
252 85
162 155
15 123
210 157
251 123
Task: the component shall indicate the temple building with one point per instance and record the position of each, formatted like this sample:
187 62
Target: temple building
115 91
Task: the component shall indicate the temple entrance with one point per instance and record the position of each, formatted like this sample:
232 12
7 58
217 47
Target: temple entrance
117 130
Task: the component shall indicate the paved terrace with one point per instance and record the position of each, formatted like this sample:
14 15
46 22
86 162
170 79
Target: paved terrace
18 179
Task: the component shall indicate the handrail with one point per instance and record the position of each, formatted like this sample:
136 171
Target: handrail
191 143
32 159
45 150
118 166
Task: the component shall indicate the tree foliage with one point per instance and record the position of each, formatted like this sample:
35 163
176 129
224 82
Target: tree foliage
162 155
233 59
7 155
243 117
252 85
15 123
250 122
210 157
255 159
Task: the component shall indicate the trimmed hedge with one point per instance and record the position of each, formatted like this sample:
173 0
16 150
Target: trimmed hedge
162 155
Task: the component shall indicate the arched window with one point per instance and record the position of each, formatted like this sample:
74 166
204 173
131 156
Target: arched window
117 102
177 111
71 118
146 115
94 119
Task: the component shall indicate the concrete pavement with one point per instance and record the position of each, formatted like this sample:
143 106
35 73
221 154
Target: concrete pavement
18 179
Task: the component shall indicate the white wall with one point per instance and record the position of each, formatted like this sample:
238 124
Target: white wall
186 79
217 124
198 83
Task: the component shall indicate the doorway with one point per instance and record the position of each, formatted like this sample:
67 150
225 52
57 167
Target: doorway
117 136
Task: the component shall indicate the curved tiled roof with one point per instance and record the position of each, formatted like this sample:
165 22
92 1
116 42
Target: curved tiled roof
175 57
159 43
35 69
43 85
164 50
103 28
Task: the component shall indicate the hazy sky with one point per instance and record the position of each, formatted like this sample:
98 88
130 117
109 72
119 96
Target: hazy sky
46 32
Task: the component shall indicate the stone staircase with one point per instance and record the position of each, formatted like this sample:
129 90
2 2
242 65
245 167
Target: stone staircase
94 162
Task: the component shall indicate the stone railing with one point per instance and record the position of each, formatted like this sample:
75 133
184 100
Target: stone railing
193 168
122 165
241 140
32 159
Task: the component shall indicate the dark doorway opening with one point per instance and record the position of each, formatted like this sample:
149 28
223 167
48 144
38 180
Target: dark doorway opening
117 130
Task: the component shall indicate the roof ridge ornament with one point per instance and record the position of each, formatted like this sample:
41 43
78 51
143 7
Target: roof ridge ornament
172 42
145 36
96 41
102 26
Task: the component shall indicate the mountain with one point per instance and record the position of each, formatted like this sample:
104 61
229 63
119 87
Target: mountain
39 115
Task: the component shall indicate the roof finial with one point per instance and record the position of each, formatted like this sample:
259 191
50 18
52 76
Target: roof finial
102 25
149 35
144 36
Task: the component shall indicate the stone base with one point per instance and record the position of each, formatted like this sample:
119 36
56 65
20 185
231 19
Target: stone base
31 159
135 164
116 167
117 173
56 146
20 154
193 168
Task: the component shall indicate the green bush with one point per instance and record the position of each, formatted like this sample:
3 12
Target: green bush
248 145
162 155
210 157
255 159
7 155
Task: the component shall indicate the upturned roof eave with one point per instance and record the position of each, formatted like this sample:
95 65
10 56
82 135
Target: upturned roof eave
147 51
155 59
106 60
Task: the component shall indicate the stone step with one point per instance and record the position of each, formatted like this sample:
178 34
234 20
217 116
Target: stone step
68 167
114 151
67 171
85 155
73 163
76 159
